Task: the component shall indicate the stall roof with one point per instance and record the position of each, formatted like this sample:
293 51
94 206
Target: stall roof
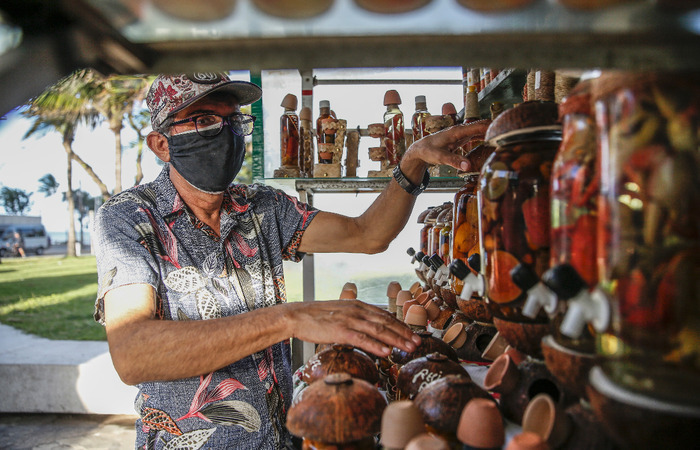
138 36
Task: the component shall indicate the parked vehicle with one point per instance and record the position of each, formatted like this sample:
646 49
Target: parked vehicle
35 239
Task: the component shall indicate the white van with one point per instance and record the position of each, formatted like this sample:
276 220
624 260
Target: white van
35 239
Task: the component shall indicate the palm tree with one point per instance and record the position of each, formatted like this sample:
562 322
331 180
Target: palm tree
61 108
114 98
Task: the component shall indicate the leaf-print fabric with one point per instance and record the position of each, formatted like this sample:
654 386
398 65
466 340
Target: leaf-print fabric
148 235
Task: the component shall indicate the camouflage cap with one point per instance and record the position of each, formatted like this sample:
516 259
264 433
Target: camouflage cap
169 94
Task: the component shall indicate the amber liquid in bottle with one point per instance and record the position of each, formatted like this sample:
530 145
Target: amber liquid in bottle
289 138
418 119
394 137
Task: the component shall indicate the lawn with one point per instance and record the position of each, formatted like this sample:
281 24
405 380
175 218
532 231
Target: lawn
51 297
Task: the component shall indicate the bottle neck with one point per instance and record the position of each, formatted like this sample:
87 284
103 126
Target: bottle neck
325 111
421 107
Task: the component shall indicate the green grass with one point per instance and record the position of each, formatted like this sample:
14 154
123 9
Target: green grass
51 297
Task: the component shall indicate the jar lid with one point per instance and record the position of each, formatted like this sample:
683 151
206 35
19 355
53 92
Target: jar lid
324 104
530 117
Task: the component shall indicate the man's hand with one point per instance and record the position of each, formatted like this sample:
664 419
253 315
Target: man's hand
350 322
439 148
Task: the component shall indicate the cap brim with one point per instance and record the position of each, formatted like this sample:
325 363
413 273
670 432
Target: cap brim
244 91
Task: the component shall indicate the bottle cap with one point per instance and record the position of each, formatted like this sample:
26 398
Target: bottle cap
324 104
305 113
448 108
289 102
392 97
420 99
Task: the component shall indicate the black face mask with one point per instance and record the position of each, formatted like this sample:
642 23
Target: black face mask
208 163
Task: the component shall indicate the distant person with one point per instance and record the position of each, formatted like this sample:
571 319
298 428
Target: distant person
18 244
191 286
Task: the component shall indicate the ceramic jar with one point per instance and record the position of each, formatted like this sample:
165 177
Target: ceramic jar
338 412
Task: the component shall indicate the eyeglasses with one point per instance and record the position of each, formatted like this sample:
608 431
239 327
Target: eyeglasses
210 125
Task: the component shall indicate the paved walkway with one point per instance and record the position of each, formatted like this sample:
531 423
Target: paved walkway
61 395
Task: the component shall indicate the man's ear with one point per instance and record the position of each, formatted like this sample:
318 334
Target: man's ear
158 145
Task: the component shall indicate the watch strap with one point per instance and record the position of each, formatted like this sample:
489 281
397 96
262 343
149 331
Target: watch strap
407 185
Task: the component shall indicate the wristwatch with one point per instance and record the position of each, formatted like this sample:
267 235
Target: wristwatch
406 184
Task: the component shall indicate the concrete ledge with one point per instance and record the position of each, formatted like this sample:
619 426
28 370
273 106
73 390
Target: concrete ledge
41 375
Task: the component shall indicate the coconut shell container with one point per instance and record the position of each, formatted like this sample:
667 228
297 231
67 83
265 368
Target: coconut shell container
416 375
340 358
338 412
442 401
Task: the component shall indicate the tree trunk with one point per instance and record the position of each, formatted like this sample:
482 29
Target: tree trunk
139 157
117 159
88 168
67 145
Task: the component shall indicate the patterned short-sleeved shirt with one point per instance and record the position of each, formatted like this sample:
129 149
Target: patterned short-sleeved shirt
148 235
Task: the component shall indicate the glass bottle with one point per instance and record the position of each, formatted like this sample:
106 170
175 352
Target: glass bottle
326 138
471 105
649 232
418 119
394 137
465 225
574 196
435 232
425 231
306 143
513 200
289 132
444 247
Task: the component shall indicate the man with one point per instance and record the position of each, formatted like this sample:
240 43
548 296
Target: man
18 244
191 288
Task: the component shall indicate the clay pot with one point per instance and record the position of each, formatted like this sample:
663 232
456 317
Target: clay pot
417 374
568 366
427 441
528 440
475 309
401 298
205 10
422 298
392 291
442 401
455 335
401 421
481 424
544 417
340 358
429 344
432 309
416 316
502 376
524 336
415 287
517 356
533 379
495 348
407 305
337 410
